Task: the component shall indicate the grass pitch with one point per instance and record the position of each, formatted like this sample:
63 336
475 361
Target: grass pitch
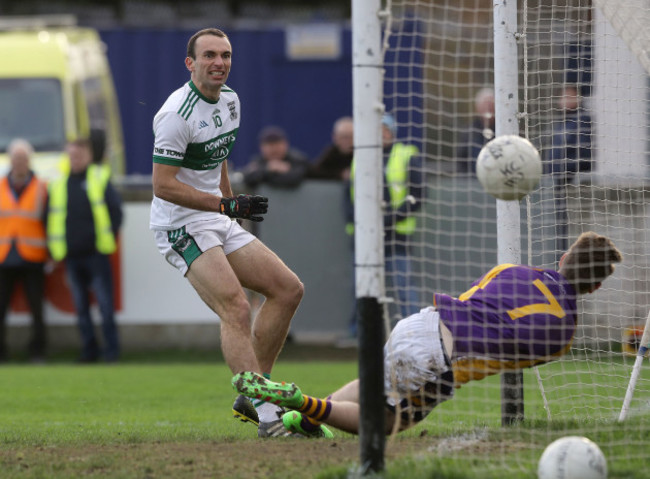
169 417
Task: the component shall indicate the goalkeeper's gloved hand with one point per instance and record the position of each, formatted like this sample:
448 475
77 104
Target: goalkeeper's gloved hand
245 206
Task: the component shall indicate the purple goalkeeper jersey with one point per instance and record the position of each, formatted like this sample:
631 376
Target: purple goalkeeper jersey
513 317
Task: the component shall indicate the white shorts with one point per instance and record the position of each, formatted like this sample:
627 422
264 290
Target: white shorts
182 246
417 369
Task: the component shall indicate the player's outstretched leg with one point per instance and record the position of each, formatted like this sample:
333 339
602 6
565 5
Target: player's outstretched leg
295 422
244 410
257 386
266 415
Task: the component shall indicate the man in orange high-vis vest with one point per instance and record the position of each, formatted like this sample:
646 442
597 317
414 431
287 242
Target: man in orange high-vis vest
23 245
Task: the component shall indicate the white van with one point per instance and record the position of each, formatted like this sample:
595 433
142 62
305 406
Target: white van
55 86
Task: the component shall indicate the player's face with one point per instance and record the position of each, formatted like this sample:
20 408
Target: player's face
211 66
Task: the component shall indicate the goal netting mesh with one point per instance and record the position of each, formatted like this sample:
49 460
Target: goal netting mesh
582 65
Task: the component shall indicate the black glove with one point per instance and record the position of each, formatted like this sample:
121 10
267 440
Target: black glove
245 206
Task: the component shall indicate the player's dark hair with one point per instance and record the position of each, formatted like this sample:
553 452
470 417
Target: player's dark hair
589 261
206 31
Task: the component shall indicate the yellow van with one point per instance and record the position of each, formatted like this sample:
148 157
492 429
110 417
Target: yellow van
56 85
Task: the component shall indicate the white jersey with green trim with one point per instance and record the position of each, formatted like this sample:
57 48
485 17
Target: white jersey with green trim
197 135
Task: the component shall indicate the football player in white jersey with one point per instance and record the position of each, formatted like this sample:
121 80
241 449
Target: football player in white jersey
192 215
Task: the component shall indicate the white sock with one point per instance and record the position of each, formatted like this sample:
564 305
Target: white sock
267 411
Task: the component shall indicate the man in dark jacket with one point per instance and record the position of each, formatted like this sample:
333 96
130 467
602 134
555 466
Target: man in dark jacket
478 134
277 164
336 159
84 216
568 156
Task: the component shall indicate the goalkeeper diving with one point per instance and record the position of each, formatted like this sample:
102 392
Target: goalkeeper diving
511 318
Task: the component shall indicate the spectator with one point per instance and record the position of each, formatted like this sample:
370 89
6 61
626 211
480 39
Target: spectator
23 247
403 194
335 161
277 164
569 155
84 216
479 133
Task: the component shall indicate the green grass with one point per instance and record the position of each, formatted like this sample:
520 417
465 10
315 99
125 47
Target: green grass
169 417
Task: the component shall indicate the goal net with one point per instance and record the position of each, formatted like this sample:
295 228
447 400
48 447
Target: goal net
583 102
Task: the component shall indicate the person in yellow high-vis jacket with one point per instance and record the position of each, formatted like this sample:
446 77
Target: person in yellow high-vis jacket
83 219
404 191
23 249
